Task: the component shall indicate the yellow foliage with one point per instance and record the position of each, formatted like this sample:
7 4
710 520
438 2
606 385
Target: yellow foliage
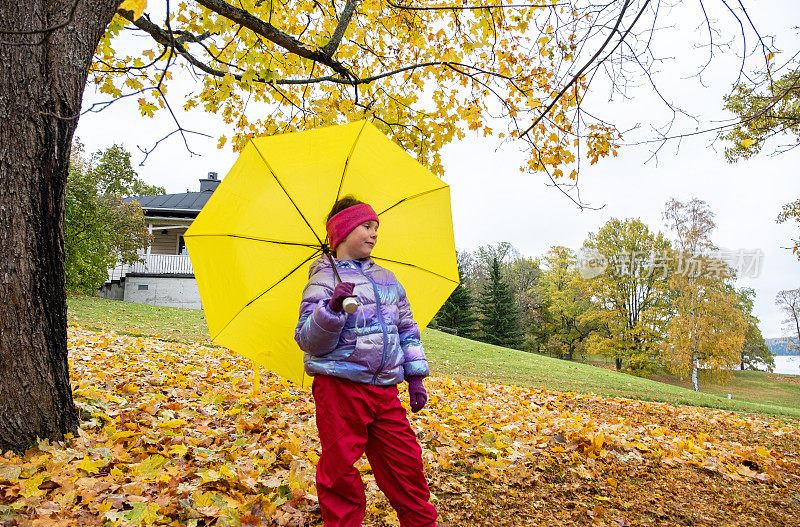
184 456
137 6
467 63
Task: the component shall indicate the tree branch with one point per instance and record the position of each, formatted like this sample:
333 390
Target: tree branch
470 7
344 20
273 34
580 72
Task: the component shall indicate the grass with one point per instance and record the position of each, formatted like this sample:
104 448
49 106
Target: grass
456 357
129 318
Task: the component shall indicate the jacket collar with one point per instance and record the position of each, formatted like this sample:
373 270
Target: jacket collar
355 264
322 263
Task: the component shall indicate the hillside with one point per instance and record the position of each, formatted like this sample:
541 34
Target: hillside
456 357
781 346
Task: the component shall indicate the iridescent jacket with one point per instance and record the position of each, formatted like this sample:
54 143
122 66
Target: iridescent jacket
378 344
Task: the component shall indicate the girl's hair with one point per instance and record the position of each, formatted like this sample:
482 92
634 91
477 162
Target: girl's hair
343 203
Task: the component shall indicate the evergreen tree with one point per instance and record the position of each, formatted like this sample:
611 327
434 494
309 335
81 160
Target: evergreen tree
499 321
456 313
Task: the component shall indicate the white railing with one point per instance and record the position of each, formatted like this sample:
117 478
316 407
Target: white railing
163 264
118 272
154 264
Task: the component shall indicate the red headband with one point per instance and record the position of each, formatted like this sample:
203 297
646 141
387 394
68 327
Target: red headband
343 222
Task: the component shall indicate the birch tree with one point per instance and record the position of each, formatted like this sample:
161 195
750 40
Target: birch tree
707 328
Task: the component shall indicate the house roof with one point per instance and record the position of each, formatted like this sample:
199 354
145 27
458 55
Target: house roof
184 202
183 205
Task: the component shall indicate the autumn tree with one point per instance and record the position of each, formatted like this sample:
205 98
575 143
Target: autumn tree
706 332
707 328
425 73
499 320
632 290
100 229
457 312
571 315
755 351
524 276
791 212
764 109
789 303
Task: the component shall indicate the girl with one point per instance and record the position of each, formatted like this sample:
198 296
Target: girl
357 360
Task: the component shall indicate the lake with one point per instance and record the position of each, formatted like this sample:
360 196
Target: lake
788 364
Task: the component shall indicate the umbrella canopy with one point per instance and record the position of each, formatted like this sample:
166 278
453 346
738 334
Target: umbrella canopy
253 242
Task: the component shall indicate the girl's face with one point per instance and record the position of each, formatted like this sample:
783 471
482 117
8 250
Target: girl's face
359 243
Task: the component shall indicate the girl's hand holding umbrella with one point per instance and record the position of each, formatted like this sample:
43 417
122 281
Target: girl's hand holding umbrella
343 298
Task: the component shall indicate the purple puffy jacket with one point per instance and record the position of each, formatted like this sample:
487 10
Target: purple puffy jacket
378 344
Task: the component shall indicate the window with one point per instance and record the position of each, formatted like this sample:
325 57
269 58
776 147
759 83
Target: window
143 287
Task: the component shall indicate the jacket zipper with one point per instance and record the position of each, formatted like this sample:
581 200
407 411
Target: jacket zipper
380 319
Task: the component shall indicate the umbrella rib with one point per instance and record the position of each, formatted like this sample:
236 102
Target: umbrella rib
346 165
316 253
271 171
412 197
254 238
347 161
415 267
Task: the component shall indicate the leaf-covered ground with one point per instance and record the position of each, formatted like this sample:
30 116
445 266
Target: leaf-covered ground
175 434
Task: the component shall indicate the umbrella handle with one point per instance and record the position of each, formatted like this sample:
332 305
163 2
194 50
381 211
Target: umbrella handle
350 304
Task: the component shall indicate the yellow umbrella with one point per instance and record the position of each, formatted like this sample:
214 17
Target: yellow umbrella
253 242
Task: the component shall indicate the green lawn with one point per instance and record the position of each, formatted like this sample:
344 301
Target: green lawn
129 318
456 357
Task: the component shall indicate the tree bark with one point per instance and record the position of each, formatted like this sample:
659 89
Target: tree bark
42 77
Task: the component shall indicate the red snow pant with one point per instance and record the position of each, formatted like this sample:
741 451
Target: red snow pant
353 418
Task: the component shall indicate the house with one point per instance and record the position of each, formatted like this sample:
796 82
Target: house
164 276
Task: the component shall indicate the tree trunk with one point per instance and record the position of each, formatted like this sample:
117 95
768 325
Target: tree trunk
42 77
695 384
567 354
618 363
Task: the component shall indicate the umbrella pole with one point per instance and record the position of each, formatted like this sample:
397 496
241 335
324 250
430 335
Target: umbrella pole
327 252
349 304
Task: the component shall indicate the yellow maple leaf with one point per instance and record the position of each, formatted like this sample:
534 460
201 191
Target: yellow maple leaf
180 450
137 6
91 467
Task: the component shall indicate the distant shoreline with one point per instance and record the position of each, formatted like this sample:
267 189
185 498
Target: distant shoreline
787 364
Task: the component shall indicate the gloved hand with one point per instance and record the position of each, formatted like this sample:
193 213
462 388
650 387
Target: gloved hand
340 292
417 393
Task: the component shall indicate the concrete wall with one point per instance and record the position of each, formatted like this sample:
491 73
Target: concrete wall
163 291
112 291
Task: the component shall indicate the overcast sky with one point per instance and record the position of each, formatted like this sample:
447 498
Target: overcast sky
493 202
